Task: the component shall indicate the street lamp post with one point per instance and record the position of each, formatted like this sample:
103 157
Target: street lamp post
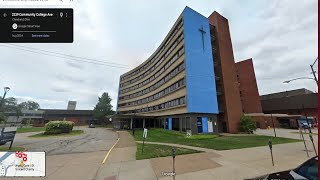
313 72
6 89
288 81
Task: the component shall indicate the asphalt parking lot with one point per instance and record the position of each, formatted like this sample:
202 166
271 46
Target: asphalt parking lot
93 139
73 157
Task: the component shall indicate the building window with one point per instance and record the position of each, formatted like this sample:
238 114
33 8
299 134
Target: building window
166 66
172 103
170 89
174 32
177 70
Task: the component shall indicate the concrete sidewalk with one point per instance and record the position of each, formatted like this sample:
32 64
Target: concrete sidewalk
288 133
243 163
228 164
122 164
250 162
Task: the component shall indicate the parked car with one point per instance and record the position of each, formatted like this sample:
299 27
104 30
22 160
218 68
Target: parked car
92 124
305 125
307 170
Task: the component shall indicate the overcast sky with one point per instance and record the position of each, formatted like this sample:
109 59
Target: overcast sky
281 36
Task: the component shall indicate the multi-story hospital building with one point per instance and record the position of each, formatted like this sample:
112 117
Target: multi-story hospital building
191 82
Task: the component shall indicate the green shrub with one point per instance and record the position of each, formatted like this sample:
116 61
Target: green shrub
247 124
58 127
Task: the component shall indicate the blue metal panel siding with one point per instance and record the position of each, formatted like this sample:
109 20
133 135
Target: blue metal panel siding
200 78
170 123
204 124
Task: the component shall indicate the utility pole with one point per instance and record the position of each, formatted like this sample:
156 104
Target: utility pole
313 72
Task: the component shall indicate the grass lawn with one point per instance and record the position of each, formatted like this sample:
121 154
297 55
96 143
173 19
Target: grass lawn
73 133
155 150
30 129
209 141
5 148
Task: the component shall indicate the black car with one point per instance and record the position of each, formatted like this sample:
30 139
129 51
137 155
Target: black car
307 170
92 123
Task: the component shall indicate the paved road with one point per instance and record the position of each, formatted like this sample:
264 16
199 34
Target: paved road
94 139
71 158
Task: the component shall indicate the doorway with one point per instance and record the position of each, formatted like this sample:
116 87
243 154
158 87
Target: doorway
175 124
199 124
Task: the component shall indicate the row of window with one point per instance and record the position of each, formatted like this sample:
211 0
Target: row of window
178 27
156 96
169 76
156 65
169 104
166 66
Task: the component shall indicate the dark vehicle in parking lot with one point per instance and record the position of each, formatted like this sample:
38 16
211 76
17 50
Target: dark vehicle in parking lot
92 123
306 124
307 170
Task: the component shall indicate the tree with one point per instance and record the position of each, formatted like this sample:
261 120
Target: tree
103 107
29 105
3 118
247 124
11 105
26 122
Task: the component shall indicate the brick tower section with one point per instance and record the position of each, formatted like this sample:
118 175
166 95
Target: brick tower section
249 93
233 106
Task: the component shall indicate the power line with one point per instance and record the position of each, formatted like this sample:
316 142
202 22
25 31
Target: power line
74 58
69 55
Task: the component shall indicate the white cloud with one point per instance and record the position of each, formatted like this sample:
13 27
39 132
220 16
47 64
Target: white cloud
280 36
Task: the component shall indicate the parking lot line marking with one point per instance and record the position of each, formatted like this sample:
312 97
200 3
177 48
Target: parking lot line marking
105 158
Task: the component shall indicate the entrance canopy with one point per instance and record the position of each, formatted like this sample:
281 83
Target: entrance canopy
129 116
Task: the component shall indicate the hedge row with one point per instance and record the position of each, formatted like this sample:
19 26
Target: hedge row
58 127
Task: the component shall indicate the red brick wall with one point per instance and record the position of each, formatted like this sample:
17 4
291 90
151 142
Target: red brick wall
265 121
38 123
309 112
249 93
261 122
231 92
